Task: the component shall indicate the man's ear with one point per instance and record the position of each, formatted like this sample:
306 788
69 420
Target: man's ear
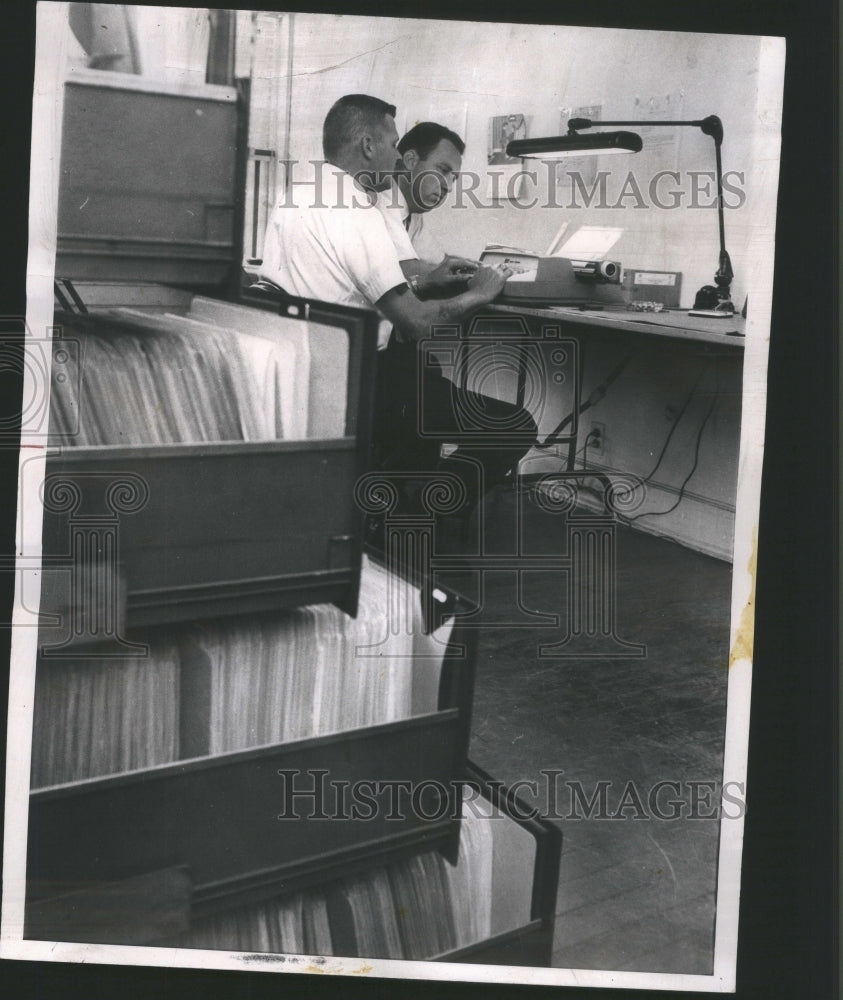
367 146
410 159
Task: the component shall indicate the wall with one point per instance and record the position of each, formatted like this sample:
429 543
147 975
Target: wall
672 419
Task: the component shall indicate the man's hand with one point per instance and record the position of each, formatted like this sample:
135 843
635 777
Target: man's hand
489 281
448 277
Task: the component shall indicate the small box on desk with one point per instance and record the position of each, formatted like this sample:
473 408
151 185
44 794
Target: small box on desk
644 285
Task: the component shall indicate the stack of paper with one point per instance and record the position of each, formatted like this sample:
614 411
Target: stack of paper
296 925
308 672
470 880
102 716
160 379
273 678
374 919
288 335
414 909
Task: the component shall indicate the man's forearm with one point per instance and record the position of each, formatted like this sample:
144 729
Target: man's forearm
414 318
441 312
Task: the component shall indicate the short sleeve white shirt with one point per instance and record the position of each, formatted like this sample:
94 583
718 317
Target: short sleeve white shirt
329 242
409 230
396 213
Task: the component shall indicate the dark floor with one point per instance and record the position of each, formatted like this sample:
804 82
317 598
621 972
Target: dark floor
636 893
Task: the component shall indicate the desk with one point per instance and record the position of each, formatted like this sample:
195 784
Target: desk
675 324
666 388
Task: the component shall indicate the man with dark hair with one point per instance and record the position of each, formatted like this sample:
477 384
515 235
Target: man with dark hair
431 157
430 161
424 137
328 242
340 250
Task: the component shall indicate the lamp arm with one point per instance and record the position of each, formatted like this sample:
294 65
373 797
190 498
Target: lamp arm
724 275
710 126
719 167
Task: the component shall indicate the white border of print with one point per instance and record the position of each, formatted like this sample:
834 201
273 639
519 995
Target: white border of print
44 185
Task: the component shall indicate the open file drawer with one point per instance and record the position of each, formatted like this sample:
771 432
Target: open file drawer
175 532
493 904
202 851
200 763
138 532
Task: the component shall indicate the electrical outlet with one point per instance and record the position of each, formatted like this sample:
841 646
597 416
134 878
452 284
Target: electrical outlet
597 438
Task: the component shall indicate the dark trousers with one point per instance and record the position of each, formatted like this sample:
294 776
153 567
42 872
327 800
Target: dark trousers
417 410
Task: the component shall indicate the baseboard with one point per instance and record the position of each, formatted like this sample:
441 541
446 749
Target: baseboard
699 523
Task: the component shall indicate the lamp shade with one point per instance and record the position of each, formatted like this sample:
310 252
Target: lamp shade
553 146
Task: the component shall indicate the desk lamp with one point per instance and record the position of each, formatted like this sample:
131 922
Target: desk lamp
716 299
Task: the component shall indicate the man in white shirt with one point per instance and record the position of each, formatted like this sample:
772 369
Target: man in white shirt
330 242
333 244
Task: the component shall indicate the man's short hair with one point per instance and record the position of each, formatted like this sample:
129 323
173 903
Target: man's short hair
348 120
426 136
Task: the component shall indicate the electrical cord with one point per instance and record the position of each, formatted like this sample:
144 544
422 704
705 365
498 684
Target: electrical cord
600 392
596 395
675 424
667 440
681 495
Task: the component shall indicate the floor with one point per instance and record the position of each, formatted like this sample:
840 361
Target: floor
637 892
